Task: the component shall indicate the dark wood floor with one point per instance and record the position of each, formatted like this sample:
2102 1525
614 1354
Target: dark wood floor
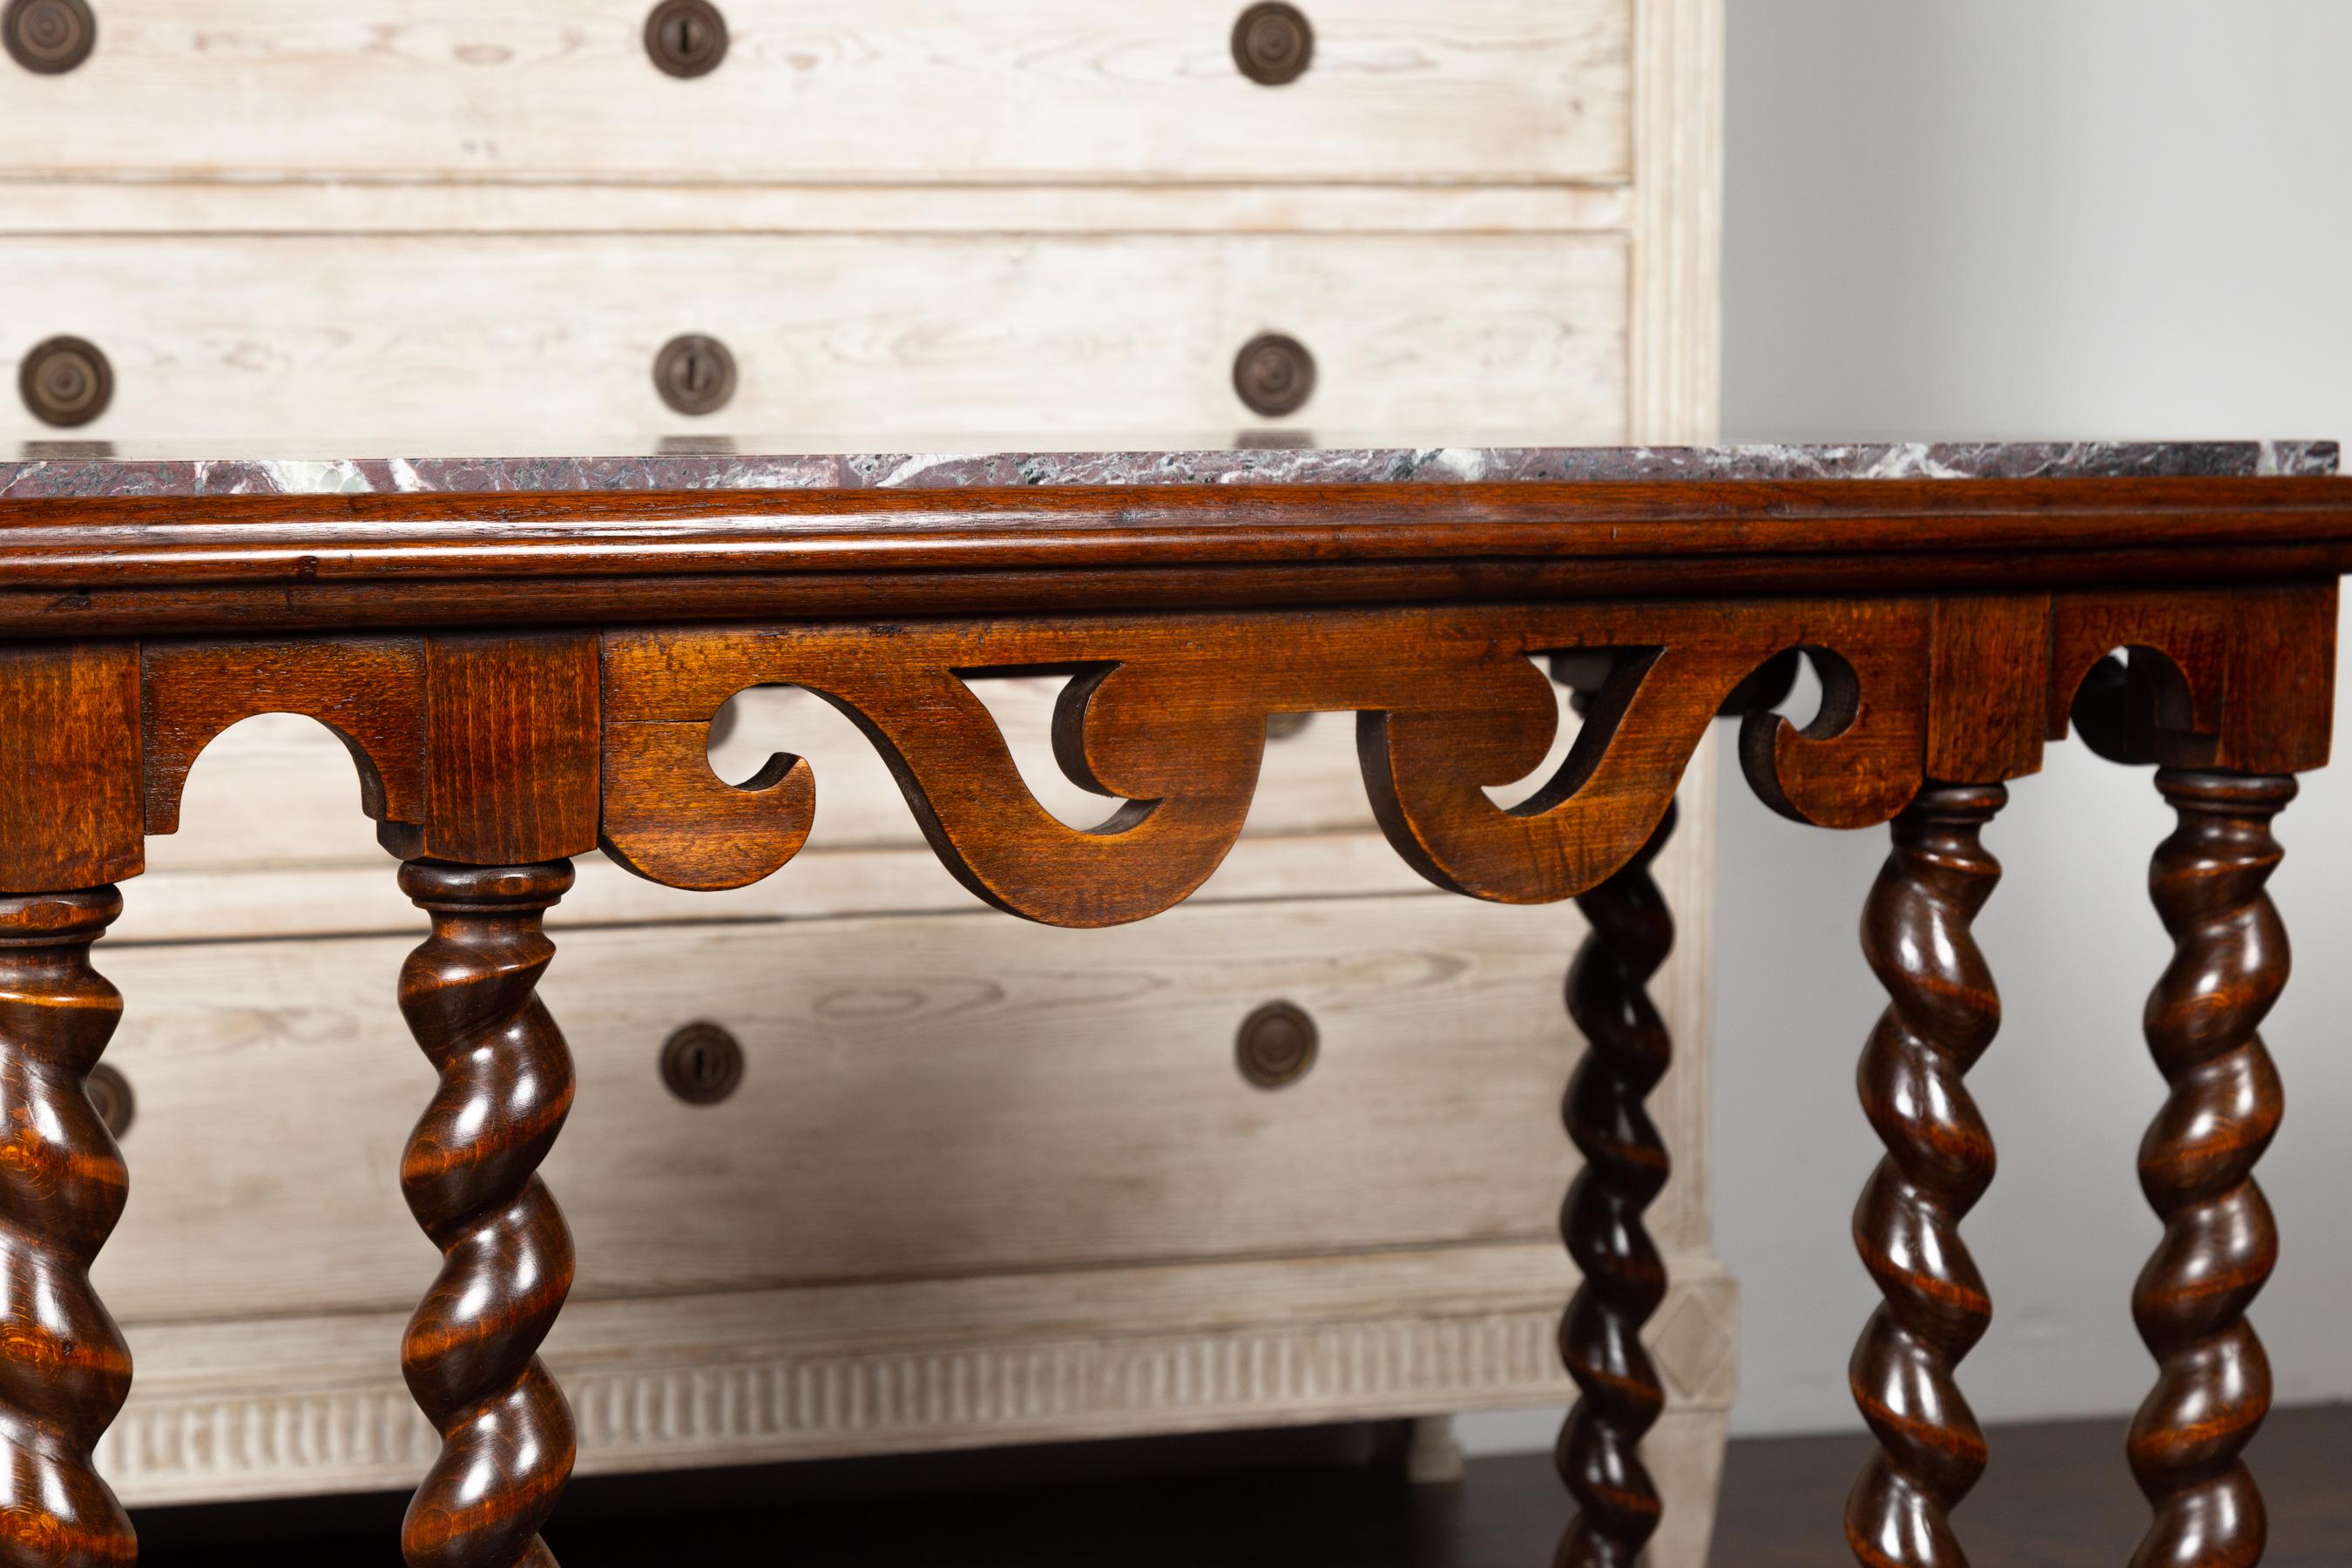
2057 1497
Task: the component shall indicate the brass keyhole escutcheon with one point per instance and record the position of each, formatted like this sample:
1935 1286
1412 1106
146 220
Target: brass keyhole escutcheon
1275 1044
685 37
111 1097
1273 43
695 374
702 1064
66 382
49 36
1273 375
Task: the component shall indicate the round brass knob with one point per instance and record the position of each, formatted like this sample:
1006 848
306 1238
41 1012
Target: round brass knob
695 374
685 37
50 37
111 1097
1273 375
1273 43
1283 726
702 1064
1275 1044
66 382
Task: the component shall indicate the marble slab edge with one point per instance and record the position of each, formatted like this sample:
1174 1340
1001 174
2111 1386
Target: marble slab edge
78 473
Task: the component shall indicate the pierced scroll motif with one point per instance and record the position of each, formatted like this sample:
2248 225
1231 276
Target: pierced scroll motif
1167 716
1164 715
2241 680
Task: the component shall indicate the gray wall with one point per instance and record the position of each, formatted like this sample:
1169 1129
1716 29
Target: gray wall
2040 219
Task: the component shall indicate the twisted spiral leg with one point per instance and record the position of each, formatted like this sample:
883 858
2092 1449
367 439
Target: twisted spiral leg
470 1355
2197 1163
1628 1051
64 1369
1941 1015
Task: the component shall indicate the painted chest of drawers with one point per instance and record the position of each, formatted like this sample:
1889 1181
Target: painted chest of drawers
972 1182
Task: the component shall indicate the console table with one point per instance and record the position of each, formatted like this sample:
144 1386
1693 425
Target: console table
524 657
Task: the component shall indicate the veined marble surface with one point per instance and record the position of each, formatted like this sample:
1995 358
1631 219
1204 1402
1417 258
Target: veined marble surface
89 468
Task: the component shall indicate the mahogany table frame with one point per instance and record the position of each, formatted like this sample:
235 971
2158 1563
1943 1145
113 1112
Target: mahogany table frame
520 678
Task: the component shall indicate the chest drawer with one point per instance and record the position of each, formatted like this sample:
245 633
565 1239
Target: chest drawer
920 1096
474 341
895 91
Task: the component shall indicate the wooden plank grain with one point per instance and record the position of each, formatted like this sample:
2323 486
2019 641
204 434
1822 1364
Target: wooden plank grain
368 693
79 566
69 766
510 749
465 343
1986 687
420 603
308 539
911 91
980 1096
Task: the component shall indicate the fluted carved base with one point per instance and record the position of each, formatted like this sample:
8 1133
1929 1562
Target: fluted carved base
469 995
1942 1012
1625 1167
2197 1163
64 1368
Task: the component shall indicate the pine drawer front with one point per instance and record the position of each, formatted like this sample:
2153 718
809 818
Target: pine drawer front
898 91
923 1096
281 342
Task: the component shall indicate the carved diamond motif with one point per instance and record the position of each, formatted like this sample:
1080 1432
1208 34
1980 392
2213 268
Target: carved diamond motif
1693 1346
